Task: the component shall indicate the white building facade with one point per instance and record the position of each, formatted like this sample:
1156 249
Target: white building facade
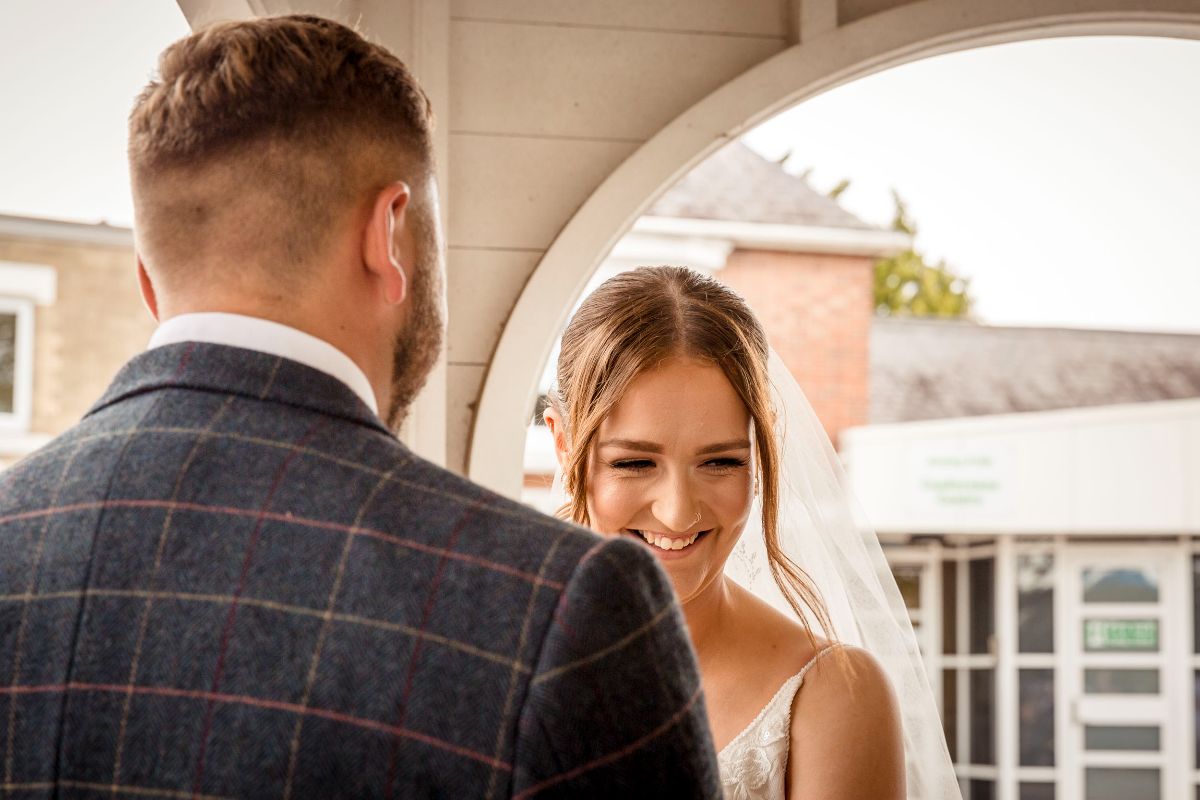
1050 564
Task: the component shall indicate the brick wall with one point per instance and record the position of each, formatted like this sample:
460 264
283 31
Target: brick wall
95 325
817 310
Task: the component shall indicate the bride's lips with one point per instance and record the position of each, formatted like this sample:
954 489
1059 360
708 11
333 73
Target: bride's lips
655 541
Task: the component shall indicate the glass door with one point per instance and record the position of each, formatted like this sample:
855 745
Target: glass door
1121 738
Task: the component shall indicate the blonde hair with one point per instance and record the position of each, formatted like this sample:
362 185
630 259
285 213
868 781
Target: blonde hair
264 132
636 321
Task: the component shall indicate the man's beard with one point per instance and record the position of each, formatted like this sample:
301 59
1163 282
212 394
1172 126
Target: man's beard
417 346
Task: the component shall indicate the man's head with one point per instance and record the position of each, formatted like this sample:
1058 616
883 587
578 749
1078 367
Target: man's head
270 160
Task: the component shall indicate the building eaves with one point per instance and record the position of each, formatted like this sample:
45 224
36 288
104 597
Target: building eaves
55 230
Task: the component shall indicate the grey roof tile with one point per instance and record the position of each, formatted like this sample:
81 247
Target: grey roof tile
737 184
935 369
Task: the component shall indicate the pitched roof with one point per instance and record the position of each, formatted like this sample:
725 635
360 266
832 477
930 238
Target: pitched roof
737 184
933 369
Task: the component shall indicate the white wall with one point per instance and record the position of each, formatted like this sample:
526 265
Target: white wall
1130 470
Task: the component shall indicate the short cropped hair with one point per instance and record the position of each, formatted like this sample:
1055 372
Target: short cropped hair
258 134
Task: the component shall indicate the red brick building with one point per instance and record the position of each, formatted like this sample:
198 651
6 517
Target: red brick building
802 261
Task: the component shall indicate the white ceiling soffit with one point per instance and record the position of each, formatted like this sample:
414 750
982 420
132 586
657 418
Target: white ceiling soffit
204 12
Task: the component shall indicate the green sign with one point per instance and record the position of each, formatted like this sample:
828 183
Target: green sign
1139 635
959 479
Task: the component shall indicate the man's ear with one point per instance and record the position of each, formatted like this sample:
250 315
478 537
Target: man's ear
559 431
147 288
380 246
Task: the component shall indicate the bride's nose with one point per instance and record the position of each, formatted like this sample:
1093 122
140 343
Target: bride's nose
675 505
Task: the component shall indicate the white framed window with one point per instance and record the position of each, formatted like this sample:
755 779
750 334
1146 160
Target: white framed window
16 364
22 287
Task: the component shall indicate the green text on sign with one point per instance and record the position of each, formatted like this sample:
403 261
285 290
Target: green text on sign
1120 635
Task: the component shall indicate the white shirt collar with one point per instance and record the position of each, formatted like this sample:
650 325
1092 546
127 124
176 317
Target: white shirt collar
252 333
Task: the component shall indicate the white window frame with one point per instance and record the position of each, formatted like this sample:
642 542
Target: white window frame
1009 634
22 287
19 419
960 552
1177 724
1179 779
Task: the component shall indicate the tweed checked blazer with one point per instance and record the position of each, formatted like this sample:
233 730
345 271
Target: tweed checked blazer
230 580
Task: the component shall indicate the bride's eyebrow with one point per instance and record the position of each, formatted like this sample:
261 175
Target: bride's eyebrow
720 447
632 444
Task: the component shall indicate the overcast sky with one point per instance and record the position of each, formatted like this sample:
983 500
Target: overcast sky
68 74
1062 177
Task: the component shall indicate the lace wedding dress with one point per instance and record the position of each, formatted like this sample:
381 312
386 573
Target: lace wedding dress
754 764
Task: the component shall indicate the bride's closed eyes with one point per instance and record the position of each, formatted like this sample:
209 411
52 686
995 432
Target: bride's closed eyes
727 465
719 466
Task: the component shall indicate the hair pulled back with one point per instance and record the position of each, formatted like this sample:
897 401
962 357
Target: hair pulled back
636 321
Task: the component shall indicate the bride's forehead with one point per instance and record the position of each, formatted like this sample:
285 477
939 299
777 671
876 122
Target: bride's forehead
686 394
679 375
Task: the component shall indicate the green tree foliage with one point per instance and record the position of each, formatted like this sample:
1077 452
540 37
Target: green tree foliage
839 190
907 285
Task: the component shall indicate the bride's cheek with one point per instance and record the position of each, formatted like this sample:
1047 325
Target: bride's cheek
613 505
735 497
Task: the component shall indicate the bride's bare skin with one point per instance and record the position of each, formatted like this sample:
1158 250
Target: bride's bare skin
738 634
672 467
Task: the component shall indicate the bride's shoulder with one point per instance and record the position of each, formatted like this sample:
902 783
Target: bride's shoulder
845 711
848 673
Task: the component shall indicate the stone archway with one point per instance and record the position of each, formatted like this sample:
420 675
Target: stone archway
828 58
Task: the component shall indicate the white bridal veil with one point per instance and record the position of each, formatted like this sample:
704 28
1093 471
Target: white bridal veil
822 529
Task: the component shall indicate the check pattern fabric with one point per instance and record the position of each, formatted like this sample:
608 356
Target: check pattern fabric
230 580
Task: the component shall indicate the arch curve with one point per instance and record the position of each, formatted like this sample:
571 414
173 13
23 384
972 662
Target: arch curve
888 39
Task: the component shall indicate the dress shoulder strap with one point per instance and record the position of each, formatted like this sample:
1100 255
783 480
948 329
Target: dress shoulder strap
814 659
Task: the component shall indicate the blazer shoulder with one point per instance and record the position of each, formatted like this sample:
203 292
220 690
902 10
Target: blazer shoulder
615 661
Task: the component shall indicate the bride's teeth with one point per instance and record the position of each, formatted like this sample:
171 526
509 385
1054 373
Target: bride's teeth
666 542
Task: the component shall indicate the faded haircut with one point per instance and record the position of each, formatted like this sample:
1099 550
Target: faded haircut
256 138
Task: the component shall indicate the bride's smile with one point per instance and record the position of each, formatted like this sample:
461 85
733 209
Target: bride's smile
672 468
671 545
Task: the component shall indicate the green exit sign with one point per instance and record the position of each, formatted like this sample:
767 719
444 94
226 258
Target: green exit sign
1120 635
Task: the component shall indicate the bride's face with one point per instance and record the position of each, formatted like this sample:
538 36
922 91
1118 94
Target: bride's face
672 468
